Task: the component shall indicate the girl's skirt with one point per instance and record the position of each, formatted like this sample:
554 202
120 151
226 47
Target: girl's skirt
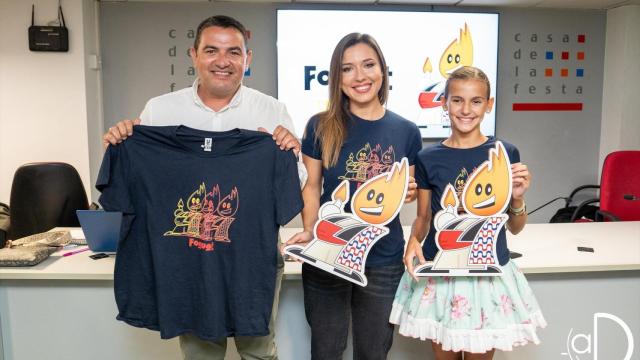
472 314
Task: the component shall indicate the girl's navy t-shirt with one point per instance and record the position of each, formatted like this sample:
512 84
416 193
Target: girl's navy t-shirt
439 165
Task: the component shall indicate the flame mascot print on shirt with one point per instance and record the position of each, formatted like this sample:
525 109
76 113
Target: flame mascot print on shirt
342 240
207 217
368 162
467 242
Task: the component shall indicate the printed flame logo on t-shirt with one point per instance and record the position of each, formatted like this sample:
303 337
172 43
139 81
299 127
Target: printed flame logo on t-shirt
368 162
459 183
206 217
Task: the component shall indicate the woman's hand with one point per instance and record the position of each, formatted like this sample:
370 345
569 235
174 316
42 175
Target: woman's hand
414 249
412 190
302 237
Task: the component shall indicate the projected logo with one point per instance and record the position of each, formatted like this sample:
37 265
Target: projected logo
417 74
459 53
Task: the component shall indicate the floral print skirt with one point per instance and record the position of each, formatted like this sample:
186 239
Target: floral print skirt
473 314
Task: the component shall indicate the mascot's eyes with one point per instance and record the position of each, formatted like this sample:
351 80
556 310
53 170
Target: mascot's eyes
478 189
488 189
379 198
457 58
449 59
371 194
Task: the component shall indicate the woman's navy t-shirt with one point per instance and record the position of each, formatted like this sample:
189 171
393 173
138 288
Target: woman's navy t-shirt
439 165
371 147
200 239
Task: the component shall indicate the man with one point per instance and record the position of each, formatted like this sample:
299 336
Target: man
218 101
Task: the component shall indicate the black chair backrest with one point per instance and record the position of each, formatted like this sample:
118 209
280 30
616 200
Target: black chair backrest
43 196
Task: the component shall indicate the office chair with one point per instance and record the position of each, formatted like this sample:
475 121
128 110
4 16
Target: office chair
619 189
43 196
4 223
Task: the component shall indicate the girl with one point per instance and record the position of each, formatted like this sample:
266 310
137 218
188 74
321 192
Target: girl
355 139
470 315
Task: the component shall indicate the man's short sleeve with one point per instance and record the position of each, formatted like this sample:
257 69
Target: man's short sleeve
286 187
285 119
145 115
113 181
310 146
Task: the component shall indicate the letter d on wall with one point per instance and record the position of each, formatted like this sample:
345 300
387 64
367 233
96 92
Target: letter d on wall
624 327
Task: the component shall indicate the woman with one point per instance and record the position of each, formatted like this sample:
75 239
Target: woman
355 139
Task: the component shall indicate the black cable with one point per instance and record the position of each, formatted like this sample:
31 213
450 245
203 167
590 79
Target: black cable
547 203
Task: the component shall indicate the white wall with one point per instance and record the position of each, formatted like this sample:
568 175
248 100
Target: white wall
93 84
620 117
43 96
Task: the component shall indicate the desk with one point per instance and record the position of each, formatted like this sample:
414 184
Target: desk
66 304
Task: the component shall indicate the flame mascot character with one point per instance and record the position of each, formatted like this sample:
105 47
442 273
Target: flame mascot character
467 243
342 240
459 53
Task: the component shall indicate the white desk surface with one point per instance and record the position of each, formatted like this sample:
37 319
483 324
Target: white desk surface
546 248
553 248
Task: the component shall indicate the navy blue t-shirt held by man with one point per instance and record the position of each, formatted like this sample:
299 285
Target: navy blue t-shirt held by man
371 148
439 165
200 242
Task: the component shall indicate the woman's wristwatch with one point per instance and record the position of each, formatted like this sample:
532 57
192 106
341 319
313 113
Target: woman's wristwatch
518 211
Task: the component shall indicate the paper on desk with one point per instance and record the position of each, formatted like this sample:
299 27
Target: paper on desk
77 237
77 234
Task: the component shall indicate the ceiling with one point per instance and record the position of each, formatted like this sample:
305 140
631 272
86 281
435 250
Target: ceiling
556 4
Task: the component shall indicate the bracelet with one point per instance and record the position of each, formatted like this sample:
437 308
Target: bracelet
519 211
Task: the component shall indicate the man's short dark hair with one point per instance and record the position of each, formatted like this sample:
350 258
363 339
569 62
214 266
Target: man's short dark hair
223 22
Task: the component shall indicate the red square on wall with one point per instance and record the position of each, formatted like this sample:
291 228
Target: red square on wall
565 55
548 72
564 72
580 55
581 38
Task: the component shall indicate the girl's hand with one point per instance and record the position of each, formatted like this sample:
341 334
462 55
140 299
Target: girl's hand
521 180
414 249
412 191
302 237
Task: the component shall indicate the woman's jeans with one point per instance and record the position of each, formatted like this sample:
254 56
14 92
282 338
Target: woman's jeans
330 302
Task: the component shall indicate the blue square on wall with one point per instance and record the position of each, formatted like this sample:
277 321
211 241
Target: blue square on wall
579 72
247 72
549 55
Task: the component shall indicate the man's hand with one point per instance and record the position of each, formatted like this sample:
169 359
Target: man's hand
119 132
284 138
